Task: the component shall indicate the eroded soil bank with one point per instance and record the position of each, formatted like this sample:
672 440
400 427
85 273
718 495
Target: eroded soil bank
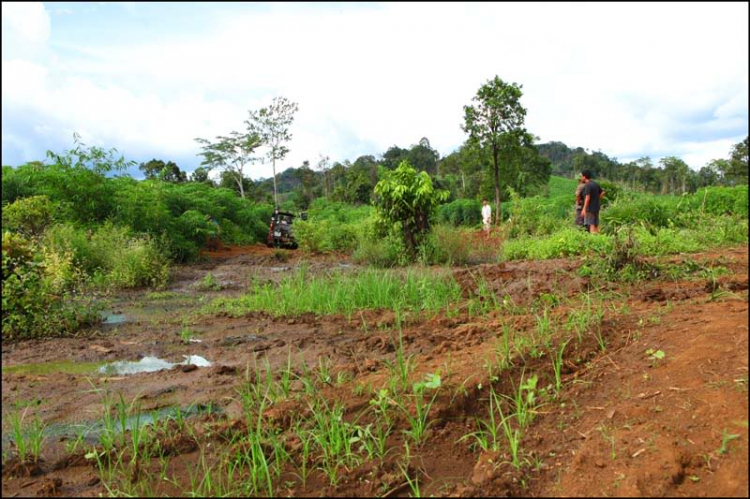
626 422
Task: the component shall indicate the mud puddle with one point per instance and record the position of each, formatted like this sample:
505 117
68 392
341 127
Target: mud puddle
150 364
90 431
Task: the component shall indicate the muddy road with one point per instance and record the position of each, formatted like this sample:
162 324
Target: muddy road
625 422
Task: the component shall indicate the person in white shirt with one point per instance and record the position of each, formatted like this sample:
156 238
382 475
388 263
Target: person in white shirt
486 217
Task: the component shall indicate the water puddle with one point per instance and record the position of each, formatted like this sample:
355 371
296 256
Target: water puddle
148 365
108 318
90 431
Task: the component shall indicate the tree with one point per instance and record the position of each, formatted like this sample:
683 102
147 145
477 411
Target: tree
423 157
324 166
307 180
228 180
408 197
497 114
271 125
200 174
675 175
168 172
231 153
393 157
737 172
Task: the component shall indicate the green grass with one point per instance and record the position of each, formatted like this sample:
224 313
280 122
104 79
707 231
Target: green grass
27 437
63 366
345 293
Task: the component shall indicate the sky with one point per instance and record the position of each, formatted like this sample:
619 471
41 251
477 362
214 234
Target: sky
628 79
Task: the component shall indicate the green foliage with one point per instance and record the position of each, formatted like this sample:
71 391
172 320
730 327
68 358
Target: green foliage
29 216
87 198
112 255
708 231
344 293
460 212
383 252
407 197
537 215
325 236
612 192
686 211
447 245
34 304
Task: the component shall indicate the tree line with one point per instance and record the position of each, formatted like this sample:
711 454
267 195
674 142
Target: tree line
499 157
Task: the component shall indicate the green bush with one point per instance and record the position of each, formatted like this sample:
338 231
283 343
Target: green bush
35 305
566 242
118 258
29 216
460 212
709 231
88 198
326 235
447 245
382 252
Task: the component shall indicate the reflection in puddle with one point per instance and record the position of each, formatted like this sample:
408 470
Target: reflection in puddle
113 318
149 365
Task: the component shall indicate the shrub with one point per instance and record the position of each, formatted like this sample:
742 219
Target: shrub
29 216
446 245
111 253
34 304
460 212
381 252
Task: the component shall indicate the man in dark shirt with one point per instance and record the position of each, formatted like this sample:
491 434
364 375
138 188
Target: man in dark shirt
592 193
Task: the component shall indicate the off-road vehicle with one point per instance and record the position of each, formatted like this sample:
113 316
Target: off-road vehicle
280 234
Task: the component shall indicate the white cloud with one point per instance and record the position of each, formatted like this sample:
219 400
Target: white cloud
627 79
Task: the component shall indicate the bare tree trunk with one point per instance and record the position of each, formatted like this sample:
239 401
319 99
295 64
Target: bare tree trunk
497 186
238 178
275 196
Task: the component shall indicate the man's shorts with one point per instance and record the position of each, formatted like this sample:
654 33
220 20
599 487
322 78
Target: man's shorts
486 224
592 219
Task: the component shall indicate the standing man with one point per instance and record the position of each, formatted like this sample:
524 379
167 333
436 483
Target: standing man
592 195
486 217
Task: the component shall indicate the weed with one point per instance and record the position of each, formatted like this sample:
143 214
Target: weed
725 439
186 335
209 283
655 356
419 422
27 438
413 483
487 436
557 360
524 401
610 439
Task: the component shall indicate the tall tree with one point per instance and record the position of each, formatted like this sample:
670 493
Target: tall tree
675 175
232 153
498 112
737 173
271 124
423 157
324 166
168 171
